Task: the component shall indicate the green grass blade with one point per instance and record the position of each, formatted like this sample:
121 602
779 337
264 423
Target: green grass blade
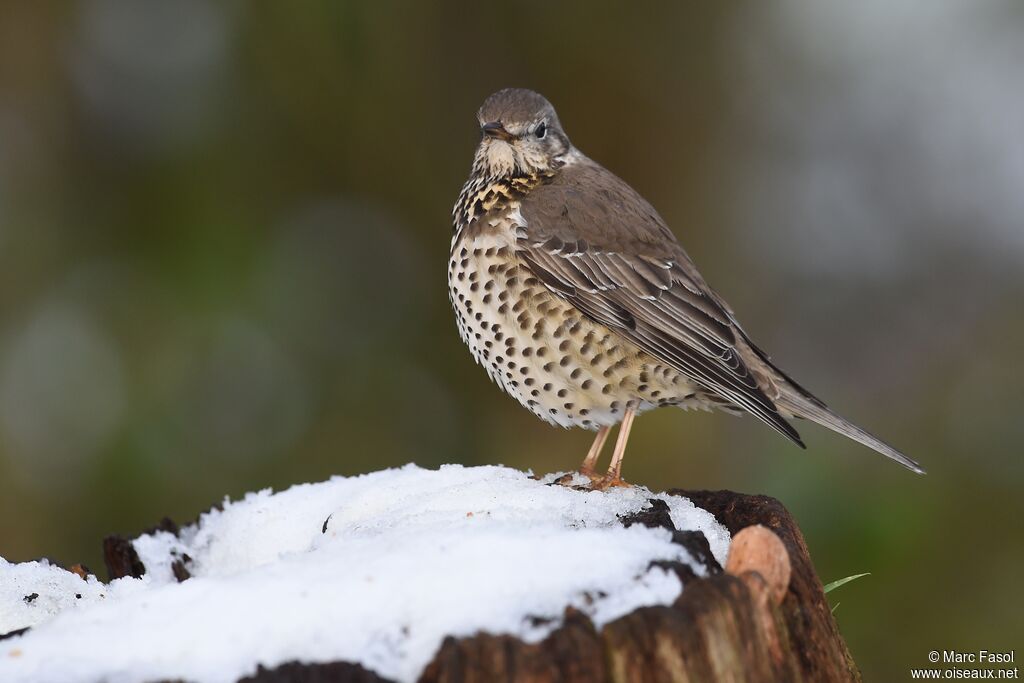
829 587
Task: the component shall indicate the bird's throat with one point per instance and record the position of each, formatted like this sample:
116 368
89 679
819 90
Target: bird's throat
482 194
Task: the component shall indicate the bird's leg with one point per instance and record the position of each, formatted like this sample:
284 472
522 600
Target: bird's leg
614 476
587 468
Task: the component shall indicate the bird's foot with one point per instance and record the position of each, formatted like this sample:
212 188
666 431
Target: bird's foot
569 478
608 481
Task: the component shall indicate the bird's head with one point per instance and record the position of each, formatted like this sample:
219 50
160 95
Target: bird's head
520 135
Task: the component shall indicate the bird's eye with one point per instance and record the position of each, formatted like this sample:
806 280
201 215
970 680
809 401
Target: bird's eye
541 131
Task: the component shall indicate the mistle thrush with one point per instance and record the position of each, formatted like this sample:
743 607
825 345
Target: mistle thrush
574 295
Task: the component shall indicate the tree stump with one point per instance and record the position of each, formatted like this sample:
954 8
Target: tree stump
771 624
722 628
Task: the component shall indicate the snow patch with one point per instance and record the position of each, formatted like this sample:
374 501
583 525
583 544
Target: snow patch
375 569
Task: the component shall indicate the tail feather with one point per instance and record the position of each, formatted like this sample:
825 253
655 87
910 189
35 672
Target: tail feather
811 408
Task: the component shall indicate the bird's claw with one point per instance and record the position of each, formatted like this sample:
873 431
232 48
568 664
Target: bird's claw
598 482
569 478
608 481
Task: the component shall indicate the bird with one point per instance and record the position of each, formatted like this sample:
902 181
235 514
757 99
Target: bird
577 299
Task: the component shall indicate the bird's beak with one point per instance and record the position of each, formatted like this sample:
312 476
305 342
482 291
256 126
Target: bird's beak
494 129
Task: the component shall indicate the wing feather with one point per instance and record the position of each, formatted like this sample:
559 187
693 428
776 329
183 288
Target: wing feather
591 240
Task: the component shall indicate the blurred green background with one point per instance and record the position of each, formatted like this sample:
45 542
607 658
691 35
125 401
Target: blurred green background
224 228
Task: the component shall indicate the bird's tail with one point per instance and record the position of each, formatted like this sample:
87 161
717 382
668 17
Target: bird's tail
800 403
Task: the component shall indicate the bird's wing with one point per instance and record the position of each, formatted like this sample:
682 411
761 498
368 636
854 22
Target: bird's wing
593 241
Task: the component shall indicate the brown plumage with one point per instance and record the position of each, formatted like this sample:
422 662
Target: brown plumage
573 293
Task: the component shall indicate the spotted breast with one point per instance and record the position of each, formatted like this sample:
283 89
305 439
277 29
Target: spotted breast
565 368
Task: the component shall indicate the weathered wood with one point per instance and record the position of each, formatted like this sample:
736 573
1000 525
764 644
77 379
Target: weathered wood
817 644
336 672
572 653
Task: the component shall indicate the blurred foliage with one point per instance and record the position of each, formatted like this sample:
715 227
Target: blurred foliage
224 226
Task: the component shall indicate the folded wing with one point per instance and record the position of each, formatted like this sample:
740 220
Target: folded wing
596 243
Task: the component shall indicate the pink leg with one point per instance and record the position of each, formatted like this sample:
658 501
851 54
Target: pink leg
614 476
590 461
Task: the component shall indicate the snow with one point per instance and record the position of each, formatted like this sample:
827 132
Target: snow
33 592
375 569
